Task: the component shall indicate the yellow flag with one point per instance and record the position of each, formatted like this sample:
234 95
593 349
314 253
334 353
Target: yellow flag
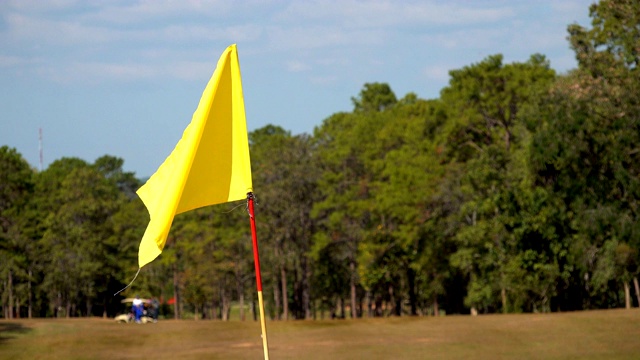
209 165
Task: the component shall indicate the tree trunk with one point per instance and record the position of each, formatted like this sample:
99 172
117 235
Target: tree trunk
314 309
398 308
216 310
212 309
507 137
176 294
587 290
10 290
215 306
392 299
89 306
627 296
377 310
352 285
276 300
503 295
296 292
225 305
254 310
285 295
58 305
436 309
413 299
333 311
635 284
241 300
30 309
306 298
369 305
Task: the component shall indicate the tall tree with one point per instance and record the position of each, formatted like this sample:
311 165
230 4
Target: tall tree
344 186
586 151
285 171
403 248
76 230
16 186
374 97
487 137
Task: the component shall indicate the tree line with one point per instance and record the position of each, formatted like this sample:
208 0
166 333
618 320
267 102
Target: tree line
514 191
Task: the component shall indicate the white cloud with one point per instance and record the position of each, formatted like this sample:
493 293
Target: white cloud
573 7
384 13
95 72
468 38
191 33
91 73
318 36
323 80
333 61
439 73
137 12
10 61
190 70
297 66
22 29
38 5
128 12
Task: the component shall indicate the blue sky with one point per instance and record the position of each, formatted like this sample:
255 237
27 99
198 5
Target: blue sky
123 77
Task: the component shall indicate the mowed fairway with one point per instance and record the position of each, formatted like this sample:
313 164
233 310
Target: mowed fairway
612 334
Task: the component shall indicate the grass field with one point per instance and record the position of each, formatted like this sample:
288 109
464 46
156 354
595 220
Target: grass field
612 334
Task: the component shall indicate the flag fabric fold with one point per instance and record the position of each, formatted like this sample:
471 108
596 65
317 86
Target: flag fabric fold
209 165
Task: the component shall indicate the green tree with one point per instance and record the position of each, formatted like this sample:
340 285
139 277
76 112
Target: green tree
403 248
78 223
374 97
585 151
343 212
488 139
124 228
16 252
286 176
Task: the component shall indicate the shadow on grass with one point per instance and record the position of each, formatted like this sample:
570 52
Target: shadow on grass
8 330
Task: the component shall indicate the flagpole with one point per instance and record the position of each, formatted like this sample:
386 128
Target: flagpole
256 260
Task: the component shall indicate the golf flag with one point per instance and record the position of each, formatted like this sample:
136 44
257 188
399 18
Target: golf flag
209 165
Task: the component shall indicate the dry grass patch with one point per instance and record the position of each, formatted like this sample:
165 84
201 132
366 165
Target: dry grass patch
613 334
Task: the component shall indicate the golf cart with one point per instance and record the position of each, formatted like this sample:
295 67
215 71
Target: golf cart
130 318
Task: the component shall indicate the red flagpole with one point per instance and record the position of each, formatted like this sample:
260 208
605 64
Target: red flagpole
256 260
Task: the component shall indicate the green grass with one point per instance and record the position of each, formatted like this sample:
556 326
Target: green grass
612 334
